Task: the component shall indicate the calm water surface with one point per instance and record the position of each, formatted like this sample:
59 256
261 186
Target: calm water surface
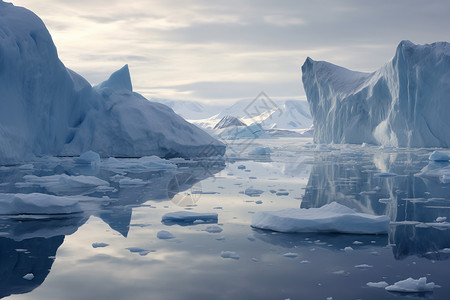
135 264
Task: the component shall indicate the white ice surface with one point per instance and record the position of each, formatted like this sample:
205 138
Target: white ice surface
411 285
64 184
47 109
164 235
332 217
229 254
36 203
403 104
380 284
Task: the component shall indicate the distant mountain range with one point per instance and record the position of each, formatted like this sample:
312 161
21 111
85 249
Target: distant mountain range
274 115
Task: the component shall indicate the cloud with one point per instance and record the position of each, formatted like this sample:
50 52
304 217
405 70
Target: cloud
210 50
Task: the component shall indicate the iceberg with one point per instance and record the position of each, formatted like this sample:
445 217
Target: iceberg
47 109
403 104
332 217
411 285
38 204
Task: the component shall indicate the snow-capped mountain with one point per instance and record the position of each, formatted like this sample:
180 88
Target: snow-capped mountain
47 109
276 114
405 103
228 121
190 110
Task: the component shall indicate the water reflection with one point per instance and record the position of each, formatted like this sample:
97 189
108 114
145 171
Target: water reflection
28 244
386 183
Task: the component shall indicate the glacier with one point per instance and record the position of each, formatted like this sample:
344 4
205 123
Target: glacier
403 104
47 109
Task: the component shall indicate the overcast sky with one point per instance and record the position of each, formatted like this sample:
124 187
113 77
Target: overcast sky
219 51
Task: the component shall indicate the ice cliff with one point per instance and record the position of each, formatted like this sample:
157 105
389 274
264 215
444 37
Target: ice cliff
405 103
47 109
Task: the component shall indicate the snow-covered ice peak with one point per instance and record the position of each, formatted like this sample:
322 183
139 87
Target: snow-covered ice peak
402 104
228 121
47 109
119 80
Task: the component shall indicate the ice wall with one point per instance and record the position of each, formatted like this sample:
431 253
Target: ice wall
47 109
405 103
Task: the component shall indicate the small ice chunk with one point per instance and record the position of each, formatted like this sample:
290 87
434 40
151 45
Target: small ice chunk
28 276
282 193
255 259
439 156
332 217
253 192
363 266
213 229
348 249
441 219
189 217
140 251
251 237
260 151
290 255
221 238
357 243
229 254
305 262
380 284
36 203
99 245
164 235
411 285
88 158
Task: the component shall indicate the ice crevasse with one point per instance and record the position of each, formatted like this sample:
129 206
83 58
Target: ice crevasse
47 109
406 103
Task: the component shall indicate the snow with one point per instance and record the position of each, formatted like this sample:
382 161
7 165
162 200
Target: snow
403 104
188 217
164 235
37 204
229 254
332 217
411 285
47 109
228 121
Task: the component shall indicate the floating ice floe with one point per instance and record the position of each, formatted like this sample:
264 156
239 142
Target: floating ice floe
213 229
188 217
436 170
385 174
63 183
164 235
29 276
99 245
37 204
290 255
253 192
140 251
411 285
332 217
88 158
229 254
143 164
439 156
